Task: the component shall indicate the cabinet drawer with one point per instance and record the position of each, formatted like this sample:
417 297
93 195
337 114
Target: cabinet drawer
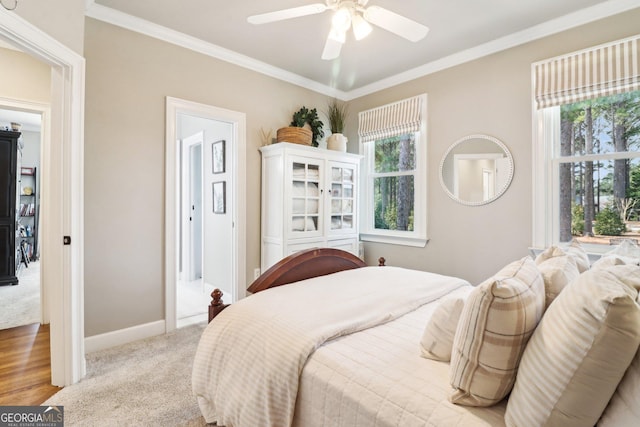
291 249
350 245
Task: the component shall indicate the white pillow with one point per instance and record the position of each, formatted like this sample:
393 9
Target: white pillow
579 352
437 339
497 320
607 261
628 251
576 250
558 269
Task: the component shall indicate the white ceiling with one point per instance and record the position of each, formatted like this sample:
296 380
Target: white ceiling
29 121
459 30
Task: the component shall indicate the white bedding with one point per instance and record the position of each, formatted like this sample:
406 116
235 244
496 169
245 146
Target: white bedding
248 363
376 377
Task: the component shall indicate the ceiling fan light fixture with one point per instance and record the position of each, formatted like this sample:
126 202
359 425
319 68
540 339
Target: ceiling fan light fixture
361 28
337 35
341 20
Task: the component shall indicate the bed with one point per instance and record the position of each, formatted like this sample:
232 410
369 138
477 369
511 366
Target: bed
355 362
550 341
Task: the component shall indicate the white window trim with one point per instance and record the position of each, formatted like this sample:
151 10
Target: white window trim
417 237
568 81
546 161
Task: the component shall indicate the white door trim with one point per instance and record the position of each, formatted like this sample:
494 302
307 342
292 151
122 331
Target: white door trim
63 186
238 155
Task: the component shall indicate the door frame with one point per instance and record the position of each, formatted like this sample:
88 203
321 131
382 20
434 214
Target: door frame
237 156
63 188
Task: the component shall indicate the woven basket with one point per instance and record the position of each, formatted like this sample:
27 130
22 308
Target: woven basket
295 135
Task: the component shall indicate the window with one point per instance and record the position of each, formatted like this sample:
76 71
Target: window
587 147
393 141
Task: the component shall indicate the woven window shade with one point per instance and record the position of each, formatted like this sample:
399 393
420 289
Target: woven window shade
392 119
604 70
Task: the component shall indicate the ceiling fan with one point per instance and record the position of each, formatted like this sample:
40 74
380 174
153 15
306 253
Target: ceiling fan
349 13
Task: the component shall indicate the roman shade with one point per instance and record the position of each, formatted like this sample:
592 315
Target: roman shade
392 119
600 71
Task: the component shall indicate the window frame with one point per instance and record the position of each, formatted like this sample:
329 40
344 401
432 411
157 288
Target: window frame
368 232
546 178
596 71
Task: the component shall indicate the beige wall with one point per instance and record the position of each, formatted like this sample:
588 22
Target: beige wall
128 78
26 79
491 95
61 19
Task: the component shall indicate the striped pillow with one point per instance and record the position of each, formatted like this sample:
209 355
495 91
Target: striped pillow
624 407
497 320
579 352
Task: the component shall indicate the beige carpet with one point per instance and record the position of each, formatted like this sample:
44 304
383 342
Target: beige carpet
145 383
20 304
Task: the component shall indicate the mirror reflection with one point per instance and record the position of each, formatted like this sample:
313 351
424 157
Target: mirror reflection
476 170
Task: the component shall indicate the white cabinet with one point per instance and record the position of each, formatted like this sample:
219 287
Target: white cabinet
309 200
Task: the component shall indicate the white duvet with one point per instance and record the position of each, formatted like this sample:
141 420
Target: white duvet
249 360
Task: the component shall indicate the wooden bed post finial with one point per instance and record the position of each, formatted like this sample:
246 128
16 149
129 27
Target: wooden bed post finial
216 297
381 261
216 305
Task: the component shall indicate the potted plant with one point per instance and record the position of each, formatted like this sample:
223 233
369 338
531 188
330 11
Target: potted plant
337 114
305 128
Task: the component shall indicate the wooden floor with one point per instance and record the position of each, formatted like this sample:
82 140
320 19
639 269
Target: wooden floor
25 366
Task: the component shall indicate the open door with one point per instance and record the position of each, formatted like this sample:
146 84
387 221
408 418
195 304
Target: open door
192 224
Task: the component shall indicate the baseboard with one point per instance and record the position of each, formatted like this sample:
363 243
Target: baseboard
192 320
123 336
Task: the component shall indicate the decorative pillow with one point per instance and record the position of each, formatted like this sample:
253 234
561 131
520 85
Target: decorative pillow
558 269
576 250
497 320
624 407
627 251
607 261
437 339
579 352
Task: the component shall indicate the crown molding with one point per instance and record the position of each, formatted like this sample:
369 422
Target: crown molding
554 26
138 25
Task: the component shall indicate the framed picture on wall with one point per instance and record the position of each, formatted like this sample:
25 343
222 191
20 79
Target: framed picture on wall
219 197
218 156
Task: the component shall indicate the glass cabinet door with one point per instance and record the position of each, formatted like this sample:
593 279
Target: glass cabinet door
343 181
305 197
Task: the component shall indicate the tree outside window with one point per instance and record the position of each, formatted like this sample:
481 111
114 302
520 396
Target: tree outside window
393 182
599 169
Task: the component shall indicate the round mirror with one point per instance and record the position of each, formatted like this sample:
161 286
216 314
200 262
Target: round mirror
476 170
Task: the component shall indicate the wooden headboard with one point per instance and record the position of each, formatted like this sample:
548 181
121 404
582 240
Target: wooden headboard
299 266
305 265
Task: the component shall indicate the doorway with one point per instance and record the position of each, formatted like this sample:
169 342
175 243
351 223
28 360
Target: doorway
192 290
63 185
191 229
205 200
22 305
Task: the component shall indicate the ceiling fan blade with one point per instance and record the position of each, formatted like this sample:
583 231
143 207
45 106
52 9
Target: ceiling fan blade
333 45
397 24
294 12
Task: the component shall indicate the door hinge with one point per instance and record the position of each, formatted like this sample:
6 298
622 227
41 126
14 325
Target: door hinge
66 240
